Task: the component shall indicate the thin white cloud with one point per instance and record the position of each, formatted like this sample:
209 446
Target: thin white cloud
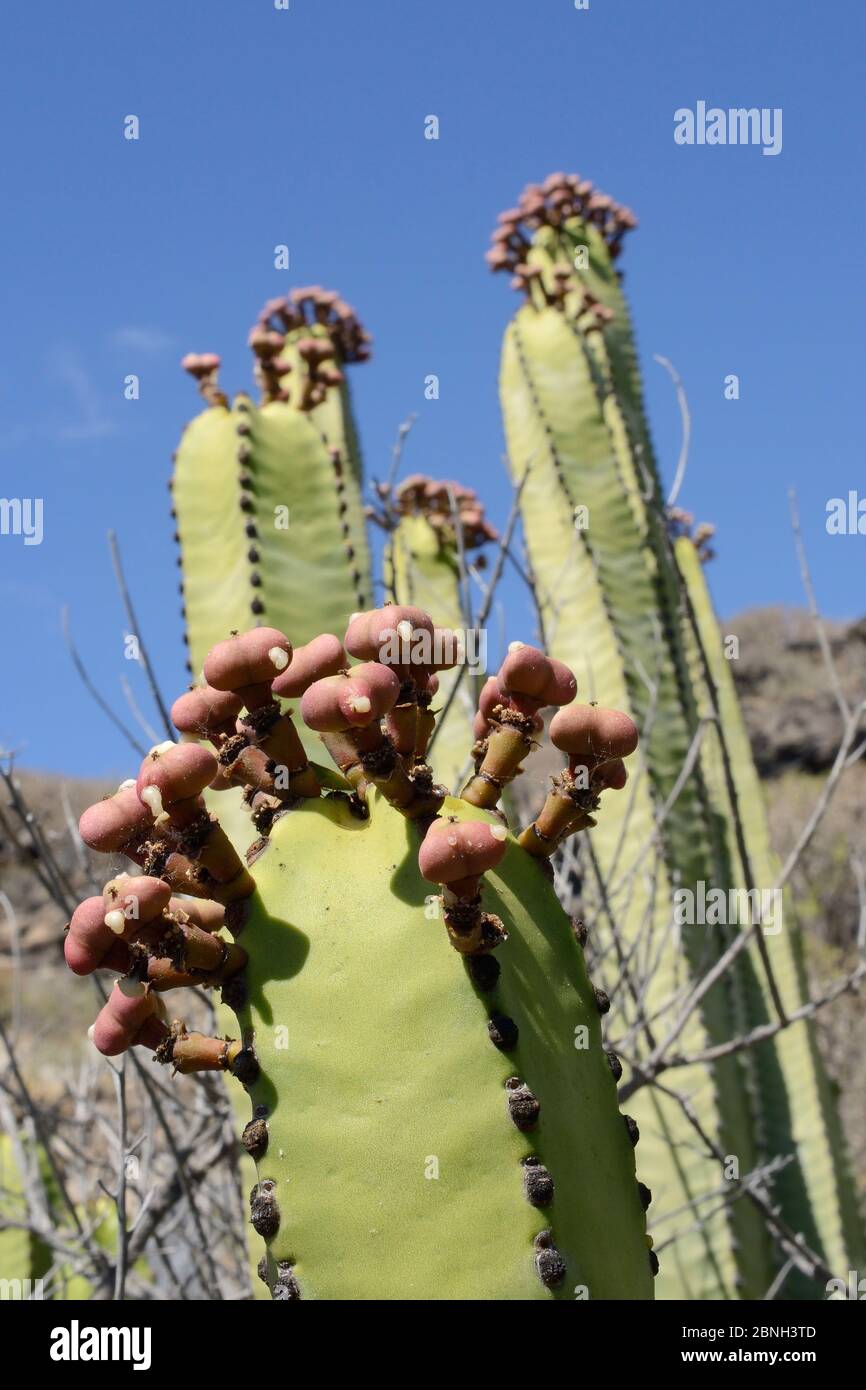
90 419
92 422
137 338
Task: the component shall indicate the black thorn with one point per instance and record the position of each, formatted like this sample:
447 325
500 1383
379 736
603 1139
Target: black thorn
548 1261
523 1106
602 1003
286 1287
255 1138
246 1067
537 1182
264 1212
645 1195
615 1065
234 992
503 1032
631 1126
484 971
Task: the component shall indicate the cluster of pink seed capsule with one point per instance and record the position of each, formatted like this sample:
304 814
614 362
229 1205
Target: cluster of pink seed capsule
447 505
159 929
336 336
551 204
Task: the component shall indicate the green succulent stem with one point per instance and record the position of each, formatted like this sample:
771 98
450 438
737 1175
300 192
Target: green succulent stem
613 591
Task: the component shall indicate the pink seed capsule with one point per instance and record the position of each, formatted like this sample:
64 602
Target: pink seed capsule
264 342
315 349
248 658
454 850
202 912
331 376
321 707
88 939
585 731
390 634
324 656
356 638
205 710
122 1017
368 693
111 824
200 364
99 925
138 897
382 685
491 696
177 772
612 775
561 688
271 307
525 671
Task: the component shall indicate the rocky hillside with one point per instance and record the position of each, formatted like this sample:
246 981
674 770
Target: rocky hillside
792 713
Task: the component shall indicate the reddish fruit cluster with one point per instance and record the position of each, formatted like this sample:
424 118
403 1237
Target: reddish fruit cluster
454 511
682 523
204 367
336 337
375 720
550 204
443 503
596 741
310 306
509 717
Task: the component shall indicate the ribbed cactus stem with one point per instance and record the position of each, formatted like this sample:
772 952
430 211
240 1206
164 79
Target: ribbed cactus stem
267 498
406 1038
505 750
596 527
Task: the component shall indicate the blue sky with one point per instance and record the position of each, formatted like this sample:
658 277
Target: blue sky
305 127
